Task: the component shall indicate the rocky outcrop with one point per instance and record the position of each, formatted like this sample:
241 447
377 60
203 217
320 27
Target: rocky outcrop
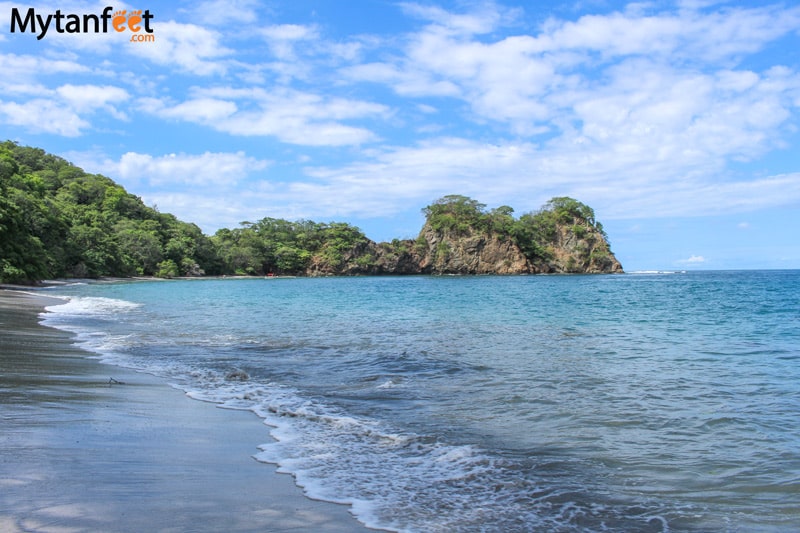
579 248
576 251
471 253
460 237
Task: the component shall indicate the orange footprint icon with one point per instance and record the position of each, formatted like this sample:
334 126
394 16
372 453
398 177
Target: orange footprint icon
134 19
119 20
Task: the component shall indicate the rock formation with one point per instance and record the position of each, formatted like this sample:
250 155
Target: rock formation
459 237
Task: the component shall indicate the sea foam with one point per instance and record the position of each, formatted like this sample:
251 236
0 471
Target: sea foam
88 317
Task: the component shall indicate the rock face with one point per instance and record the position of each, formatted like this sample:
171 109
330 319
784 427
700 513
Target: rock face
460 237
486 253
588 253
473 253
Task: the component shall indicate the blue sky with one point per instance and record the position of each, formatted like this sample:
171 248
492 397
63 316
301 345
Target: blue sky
676 121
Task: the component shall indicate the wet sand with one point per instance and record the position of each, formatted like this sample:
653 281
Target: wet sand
78 453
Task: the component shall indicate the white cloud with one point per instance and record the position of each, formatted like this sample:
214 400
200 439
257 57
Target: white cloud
25 68
203 209
282 38
531 83
693 260
405 82
639 113
202 110
682 35
290 32
207 170
409 175
61 111
483 19
83 98
525 175
43 116
189 47
294 117
210 189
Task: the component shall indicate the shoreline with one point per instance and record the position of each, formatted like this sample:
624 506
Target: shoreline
35 285
83 453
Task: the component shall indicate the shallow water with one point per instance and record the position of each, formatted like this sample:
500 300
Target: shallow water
637 402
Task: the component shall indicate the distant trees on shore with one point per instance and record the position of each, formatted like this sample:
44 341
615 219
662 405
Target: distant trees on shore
57 221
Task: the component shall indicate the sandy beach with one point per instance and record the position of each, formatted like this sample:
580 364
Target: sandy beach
81 453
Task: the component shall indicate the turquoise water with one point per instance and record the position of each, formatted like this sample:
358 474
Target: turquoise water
637 402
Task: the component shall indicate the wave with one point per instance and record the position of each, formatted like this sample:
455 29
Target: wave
335 456
76 306
398 480
89 318
658 272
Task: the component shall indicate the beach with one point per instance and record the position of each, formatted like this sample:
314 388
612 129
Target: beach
87 446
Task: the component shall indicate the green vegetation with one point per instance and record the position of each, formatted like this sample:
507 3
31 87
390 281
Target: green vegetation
535 233
275 246
457 214
57 221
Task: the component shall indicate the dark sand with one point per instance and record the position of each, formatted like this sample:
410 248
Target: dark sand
80 454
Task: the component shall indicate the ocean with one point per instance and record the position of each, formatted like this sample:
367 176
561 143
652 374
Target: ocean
636 402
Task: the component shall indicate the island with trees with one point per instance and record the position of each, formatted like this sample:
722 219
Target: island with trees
57 221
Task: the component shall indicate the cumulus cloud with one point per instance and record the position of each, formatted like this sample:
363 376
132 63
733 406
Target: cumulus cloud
284 38
290 32
640 110
84 98
292 116
189 47
202 110
485 17
63 110
693 260
204 170
43 116
532 81
525 175
20 68
205 209
191 186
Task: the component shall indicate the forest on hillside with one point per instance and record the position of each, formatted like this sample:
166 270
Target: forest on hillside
57 221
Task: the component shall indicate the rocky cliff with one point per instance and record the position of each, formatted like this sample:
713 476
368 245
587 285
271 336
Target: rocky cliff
581 249
570 251
460 237
471 252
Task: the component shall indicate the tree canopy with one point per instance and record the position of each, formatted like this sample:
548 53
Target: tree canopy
276 246
57 221
535 233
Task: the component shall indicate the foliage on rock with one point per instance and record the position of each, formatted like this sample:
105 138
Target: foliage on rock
461 237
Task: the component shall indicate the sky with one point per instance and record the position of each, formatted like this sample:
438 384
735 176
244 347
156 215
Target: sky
677 121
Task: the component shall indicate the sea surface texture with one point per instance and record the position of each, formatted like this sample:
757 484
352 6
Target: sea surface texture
636 402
